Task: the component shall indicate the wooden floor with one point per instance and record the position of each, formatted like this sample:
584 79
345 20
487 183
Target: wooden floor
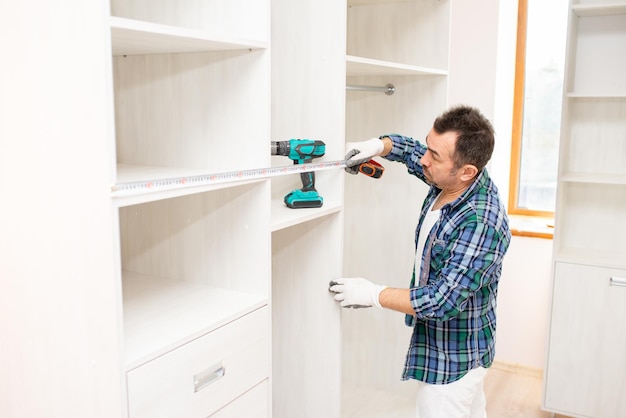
511 393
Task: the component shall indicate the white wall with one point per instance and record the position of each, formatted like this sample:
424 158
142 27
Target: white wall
482 69
523 303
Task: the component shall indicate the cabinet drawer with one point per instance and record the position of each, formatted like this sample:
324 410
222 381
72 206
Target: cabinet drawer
252 404
587 346
203 375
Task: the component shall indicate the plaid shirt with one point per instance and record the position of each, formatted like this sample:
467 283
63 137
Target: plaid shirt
455 320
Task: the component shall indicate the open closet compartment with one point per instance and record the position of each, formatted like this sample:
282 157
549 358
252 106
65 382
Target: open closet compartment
404 44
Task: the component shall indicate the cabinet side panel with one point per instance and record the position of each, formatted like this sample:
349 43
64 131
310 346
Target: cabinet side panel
306 320
60 299
308 101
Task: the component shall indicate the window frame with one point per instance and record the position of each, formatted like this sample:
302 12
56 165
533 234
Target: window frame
517 128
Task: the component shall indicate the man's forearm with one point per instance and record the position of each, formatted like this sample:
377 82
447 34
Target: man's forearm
387 145
397 300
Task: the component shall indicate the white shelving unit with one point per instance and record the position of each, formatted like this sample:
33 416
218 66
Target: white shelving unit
194 258
406 44
586 343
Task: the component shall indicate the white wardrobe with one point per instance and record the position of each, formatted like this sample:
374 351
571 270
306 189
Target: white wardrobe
142 276
584 374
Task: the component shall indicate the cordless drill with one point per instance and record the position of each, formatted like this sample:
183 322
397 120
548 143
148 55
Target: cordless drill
302 151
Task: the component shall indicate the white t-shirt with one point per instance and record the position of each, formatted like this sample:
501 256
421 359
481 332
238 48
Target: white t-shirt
431 218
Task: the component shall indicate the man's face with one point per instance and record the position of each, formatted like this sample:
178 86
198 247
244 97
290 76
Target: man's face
437 162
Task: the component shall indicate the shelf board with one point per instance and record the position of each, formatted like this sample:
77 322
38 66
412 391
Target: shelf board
594 178
284 217
589 10
360 66
141 184
160 315
596 96
134 37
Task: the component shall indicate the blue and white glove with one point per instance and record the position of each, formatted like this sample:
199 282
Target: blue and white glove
356 292
361 152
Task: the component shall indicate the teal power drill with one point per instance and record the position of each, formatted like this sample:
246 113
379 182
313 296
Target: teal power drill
302 151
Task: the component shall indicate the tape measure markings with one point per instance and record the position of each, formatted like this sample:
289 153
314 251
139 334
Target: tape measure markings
156 185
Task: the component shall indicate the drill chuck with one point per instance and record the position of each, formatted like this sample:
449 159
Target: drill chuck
281 148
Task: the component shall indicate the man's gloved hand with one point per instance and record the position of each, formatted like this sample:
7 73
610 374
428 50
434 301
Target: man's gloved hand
356 292
361 152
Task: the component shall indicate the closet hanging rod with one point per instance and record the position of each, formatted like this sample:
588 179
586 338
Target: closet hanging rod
389 89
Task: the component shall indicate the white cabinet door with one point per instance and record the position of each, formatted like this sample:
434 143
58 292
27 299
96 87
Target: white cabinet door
586 371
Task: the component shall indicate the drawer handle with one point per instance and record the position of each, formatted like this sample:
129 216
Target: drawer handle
208 376
618 281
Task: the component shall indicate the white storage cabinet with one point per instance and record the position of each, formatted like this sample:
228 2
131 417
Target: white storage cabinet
587 341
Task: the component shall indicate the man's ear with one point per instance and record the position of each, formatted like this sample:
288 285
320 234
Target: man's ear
468 172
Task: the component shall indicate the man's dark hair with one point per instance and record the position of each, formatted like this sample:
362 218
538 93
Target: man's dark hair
475 141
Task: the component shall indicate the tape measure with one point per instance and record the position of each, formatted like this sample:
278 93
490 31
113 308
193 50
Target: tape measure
157 185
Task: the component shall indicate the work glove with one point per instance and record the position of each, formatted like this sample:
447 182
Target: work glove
361 152
356 292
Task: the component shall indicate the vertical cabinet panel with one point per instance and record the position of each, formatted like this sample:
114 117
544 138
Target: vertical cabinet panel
305 320
60 338
308 101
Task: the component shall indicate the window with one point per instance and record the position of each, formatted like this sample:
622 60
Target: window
540 58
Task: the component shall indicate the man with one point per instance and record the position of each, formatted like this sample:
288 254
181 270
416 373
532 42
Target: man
461 238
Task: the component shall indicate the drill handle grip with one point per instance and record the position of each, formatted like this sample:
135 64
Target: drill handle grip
308 181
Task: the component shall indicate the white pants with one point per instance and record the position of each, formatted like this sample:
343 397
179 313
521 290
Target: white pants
464 398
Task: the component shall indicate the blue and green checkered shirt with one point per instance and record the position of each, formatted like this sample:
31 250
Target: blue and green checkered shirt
455 311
